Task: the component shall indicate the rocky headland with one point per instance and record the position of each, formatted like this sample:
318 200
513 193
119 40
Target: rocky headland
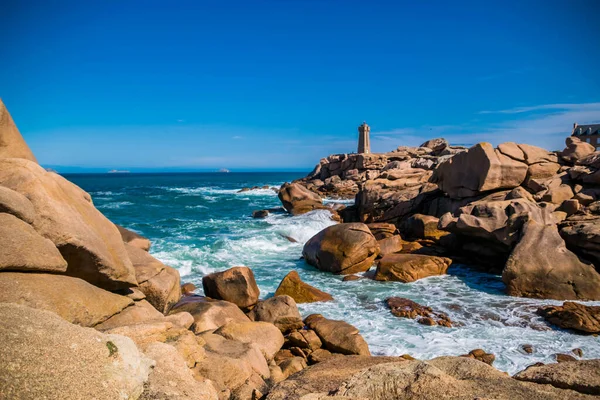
86 312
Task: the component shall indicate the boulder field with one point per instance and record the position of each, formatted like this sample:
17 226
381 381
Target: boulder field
87 312
530 214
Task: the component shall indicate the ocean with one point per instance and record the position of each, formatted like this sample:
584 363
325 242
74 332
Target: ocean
199 223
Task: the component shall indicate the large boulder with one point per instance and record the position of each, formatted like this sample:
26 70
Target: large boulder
16 204
410 267
265 335
419 226
393 378
281 311
582 376
172 379
23 249
45 357
444 377
323 378
89 242
134 239
297 199
480 169
576 150
540 266
338 336
12 144
141 312
236 285
582 235
71 298
291 285
209 314
160 284
572 315
342 249
232 364
436 145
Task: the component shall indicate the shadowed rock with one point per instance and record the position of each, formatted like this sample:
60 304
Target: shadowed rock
573 316
540 266
23 249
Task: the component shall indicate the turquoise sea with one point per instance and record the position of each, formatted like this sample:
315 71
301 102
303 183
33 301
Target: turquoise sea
199 223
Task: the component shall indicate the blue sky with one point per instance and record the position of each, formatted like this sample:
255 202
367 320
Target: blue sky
281 84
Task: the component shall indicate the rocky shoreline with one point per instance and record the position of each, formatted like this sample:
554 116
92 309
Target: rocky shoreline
87 312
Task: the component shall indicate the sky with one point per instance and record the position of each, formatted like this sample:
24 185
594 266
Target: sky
254 85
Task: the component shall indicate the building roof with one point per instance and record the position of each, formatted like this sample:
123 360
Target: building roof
583 130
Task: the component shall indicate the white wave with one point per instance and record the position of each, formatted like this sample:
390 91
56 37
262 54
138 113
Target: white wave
338 201
115 205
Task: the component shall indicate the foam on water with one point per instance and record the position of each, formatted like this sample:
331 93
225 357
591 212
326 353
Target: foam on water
200 228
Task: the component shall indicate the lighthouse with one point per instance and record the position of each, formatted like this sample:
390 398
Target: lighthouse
364 144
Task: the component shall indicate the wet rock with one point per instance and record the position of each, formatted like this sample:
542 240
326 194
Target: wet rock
23 249
572 315
533 273
351 278
296 199
527 348
581 376
260 214
562 358
342 249
410 267
578 352
291 285
76 363
281 311
134 239
480 169
405 308
188 289
236 285
482 356
90 243
73 299
337 336
209 314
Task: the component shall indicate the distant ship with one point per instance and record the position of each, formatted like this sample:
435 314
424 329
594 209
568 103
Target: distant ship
224 170
117 171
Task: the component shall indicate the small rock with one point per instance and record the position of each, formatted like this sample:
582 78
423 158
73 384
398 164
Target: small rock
187 289
578 352
481 355
260 214
527 348
291 285
564 358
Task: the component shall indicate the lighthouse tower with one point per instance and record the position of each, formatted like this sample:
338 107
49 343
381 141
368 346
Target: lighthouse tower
364 144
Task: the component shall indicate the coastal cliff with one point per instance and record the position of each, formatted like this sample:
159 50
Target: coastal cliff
87 312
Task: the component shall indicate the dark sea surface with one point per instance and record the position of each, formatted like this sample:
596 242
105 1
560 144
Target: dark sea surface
200 223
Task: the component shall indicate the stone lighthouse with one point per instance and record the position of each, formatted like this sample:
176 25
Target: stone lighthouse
364 144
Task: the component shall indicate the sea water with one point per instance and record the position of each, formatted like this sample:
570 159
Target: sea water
200 223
